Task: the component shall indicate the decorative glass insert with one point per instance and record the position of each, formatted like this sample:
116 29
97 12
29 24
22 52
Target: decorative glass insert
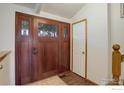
65 32
47 30
24 28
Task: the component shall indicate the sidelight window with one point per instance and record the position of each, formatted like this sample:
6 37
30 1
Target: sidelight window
24 28
65 32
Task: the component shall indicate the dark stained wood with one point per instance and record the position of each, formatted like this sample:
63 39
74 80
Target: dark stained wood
47 58
23 51
40 57
71 78
65 54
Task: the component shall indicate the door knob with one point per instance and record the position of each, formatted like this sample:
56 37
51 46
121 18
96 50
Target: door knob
83 52
1 67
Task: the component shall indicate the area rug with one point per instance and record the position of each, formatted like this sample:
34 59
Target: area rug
54 80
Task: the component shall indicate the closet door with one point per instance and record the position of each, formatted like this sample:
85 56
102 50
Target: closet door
45 48
23 41
80 48
65 45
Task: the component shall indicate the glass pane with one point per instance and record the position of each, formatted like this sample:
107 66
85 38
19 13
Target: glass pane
24 28
65 32
47 30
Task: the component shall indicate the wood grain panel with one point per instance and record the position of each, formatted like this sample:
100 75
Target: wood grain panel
65 58
65 49
23 51
51 56
25 62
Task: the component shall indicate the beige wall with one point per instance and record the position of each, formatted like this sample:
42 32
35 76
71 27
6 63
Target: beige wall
98 40
117 29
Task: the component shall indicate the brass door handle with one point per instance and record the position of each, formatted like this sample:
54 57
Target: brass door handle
1 67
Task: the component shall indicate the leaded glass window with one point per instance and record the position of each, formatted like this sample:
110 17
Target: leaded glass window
47 30
24 28
65 32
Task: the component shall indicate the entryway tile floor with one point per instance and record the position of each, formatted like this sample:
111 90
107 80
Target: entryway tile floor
66 78
54 80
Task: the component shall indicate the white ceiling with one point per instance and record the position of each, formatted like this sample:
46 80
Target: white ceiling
29 5
66 10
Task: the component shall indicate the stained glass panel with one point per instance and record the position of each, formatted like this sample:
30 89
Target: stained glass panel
24 28
47 30
65 32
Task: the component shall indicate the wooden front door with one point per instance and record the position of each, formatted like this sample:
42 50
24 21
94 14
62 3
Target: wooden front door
46 38
42 48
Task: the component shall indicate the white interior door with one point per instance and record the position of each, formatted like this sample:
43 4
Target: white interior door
79 49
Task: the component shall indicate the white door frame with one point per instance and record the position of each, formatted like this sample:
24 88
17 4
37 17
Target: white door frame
84 20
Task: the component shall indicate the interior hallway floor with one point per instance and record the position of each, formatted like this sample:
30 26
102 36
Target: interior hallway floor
66 78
